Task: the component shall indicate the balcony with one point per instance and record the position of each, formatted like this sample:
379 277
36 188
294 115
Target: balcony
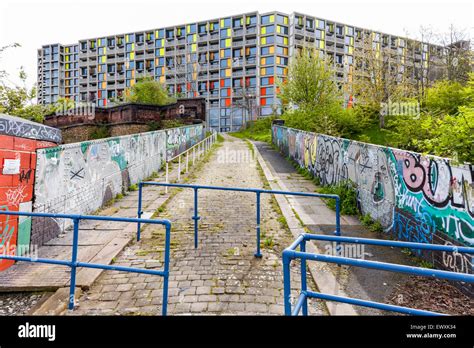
203 38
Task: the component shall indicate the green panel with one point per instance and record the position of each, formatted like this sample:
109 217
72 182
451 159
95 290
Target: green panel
24 236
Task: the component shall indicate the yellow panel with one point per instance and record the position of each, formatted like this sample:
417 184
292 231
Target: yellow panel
133 73
162 70
162 51
285 41
272 18
229 32
104 59
194 37
321 44
323 34
285 20
66 50
222 54
262 61
188 29
263 40
262 71
351 50
263 30
99 68
278 60
228 42
272 49
193 48
228 72
162 79
132 55
317 23
132 82
222 23
104 85
127 38
105 50
133 46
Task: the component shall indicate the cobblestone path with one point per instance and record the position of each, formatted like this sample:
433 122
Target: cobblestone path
221 276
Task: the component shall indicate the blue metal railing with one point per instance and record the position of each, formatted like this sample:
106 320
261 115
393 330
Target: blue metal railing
257 191
74 263
291 253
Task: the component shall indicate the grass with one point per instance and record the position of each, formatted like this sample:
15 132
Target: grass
374 135
260 130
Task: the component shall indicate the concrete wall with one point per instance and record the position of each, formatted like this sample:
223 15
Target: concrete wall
80 178
416 198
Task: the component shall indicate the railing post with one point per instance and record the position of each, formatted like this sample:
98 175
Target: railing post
194 155
167 178
179 167
139 212
257 253
166 270
338 225
286 283
75 241
304 286
187 160
196 218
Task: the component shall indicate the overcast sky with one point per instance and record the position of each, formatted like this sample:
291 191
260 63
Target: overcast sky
35 23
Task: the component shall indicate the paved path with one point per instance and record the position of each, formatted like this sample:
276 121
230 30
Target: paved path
221 276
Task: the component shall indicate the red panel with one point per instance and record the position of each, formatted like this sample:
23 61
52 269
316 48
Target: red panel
6 142
6 180
227 102
222 83
25 158
8 235
23 144
263 91
263 101
271 79
26 177
105 102
6 154
43 144
33 161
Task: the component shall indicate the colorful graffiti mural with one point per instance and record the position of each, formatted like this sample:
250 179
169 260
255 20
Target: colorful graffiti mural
415 197
180 139
80 178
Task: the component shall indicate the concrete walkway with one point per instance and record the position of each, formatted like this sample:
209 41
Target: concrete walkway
221 276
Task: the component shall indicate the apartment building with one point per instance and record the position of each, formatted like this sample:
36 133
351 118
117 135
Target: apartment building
234 62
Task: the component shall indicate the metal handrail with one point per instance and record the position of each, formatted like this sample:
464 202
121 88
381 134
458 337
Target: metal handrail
74 263
257 191
202 146
291 253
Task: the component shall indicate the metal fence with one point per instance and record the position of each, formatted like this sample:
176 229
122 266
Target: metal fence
196 151
257 192
291 253
74 263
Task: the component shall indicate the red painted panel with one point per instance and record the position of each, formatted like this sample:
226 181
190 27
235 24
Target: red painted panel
23 144
8 235
6 142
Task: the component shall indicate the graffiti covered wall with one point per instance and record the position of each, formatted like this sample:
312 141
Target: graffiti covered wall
416 198
80 178
19 140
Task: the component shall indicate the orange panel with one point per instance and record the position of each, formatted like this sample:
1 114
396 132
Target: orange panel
227 102
263 91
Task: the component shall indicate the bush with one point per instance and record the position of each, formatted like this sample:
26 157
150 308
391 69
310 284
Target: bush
347 193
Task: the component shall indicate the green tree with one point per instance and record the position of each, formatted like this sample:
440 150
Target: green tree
312 99
148 91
